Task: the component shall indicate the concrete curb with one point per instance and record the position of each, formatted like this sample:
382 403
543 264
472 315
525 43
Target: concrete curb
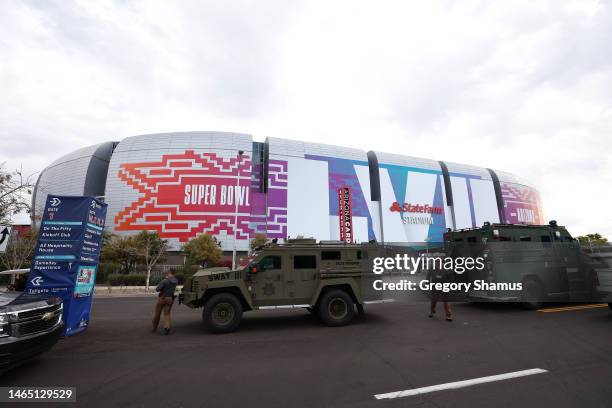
125 291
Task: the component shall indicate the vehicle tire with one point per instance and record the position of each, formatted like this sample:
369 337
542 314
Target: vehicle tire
336 308
222 313
532 295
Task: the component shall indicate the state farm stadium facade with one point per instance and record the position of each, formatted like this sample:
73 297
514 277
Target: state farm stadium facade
184 184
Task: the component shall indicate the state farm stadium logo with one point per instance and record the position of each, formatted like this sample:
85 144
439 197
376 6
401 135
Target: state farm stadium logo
186 194
415 208
416 213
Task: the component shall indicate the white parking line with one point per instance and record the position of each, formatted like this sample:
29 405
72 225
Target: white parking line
459 384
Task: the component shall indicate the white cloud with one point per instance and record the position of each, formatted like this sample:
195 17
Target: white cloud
519 86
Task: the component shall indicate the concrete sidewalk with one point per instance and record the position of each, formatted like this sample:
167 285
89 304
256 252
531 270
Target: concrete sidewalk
122 291
119 291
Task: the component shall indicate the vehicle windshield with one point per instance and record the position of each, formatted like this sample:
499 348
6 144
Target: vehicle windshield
244 262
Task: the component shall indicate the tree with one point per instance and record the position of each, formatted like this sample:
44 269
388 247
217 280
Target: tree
203 250
592 239
152 249
123 250
15 190
19 250
259 240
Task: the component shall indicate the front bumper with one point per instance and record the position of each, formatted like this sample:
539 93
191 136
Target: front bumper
188 299
16 350
484 296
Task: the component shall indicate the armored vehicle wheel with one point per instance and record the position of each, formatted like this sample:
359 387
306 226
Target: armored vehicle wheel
222 313
336 308
532 295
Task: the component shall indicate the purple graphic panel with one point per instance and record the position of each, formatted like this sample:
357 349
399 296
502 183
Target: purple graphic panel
521 204
269 211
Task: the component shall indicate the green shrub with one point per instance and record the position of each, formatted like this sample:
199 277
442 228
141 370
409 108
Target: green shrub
105 269
155 280
132 279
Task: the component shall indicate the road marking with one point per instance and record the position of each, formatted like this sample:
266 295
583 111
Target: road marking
459 384
570 308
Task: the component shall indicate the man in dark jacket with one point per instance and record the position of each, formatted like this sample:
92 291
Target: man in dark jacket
165 300
440 276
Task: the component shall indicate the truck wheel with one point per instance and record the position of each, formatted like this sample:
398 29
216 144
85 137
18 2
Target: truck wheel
222 313
336 308
532 295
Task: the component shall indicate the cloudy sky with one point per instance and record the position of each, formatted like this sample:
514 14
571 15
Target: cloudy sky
524 87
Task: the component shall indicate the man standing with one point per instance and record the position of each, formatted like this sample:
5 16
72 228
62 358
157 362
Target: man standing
439 276
165 300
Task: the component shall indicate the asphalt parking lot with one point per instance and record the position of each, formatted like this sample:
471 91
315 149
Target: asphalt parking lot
288 359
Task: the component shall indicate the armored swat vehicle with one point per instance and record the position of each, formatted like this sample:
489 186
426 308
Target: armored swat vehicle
544 259
333 280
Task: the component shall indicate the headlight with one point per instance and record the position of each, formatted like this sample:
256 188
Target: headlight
3 325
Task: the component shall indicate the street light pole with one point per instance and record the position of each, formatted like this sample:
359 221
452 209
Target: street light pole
236 196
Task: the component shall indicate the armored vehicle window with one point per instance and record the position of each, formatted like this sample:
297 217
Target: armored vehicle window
270 262
304 262
525 238
471 239
458 239
545 238
362 254
330 256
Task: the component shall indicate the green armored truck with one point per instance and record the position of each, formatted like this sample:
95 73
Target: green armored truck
545 260
331 279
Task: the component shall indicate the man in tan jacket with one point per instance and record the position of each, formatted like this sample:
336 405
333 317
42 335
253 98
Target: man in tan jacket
165 300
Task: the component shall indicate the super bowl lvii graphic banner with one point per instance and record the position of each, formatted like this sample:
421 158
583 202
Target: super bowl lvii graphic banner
67 255
183 195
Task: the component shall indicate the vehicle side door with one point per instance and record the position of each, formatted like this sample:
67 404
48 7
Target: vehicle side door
268 280
304 276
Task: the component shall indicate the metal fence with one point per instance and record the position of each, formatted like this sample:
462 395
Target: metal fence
160 270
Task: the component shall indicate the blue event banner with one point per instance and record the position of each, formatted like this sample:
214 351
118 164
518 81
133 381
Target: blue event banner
67 255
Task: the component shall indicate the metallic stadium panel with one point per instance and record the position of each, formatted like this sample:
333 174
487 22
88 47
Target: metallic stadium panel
82 172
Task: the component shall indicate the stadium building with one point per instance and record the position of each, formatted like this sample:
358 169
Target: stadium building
189 183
